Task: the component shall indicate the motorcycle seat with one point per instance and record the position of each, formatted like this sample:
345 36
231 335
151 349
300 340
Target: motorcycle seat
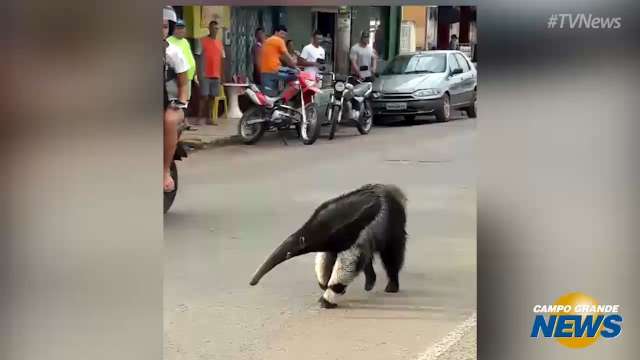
362 89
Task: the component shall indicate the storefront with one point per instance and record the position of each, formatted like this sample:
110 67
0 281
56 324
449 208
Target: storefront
431 27
340 25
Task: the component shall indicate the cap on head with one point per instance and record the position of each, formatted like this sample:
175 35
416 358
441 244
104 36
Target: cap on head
180 23
168 13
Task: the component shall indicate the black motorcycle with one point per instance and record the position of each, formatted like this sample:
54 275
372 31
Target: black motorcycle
350 101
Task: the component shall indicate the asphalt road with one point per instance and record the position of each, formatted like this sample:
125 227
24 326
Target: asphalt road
236 203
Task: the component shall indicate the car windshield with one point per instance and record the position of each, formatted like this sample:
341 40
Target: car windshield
416 64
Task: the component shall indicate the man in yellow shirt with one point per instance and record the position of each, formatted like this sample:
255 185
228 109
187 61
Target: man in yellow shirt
273 53
178 39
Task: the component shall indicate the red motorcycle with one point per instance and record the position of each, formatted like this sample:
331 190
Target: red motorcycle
294 107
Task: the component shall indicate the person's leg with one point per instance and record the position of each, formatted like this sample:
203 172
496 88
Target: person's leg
269 83
214 90
171 119
204 99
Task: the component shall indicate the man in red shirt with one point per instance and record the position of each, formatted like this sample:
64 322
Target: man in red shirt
210 70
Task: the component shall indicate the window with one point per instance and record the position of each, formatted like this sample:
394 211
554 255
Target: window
453 63
463 63
416 64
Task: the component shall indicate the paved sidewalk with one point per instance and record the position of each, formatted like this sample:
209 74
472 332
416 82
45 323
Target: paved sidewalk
203 136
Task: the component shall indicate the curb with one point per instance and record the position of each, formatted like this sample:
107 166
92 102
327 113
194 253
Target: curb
200 143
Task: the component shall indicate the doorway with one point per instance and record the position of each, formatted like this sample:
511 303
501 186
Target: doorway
325 22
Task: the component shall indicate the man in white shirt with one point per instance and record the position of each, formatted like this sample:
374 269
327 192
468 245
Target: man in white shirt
175 93
363 59
177 64
312 53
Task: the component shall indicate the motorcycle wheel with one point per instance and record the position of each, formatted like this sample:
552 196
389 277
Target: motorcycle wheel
311 130
365 122
250 134
169 197
336 113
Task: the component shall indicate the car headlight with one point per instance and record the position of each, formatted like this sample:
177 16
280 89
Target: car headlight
426 92
375 94
339 86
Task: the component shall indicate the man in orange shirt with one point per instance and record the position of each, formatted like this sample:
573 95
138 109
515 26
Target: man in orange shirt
210 70
274 52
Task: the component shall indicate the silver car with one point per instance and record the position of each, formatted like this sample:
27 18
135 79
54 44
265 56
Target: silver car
429 82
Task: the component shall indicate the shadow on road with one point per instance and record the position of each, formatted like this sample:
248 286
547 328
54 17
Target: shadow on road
399 121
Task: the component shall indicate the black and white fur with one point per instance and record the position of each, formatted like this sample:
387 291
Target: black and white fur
384 234
346 232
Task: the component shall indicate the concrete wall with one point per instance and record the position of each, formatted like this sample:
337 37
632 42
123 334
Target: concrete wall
299 23
342 43
192 17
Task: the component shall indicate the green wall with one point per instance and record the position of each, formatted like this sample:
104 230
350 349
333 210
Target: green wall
360 16
299 22
389 19
394 31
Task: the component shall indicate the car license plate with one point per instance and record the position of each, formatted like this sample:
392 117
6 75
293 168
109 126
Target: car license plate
396 106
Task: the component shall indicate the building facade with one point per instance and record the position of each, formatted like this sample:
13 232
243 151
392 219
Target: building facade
341 27
431 27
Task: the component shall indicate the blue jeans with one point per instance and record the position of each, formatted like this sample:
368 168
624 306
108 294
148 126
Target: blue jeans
270 83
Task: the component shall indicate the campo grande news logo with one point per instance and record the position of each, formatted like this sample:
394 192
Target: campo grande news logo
576 320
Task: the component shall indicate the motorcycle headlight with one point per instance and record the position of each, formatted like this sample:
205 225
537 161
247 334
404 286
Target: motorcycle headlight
426 92
339 86
376 94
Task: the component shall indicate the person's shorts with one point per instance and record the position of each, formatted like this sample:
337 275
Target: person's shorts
172 90
209 87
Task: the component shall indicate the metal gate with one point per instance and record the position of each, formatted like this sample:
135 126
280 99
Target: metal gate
244 22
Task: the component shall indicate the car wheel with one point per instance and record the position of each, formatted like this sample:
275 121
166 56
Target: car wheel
471 110
444 112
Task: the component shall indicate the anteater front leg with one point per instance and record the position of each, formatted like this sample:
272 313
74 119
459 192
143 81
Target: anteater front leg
370 275
348 264
324 266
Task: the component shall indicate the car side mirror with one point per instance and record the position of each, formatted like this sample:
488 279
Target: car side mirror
455 72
